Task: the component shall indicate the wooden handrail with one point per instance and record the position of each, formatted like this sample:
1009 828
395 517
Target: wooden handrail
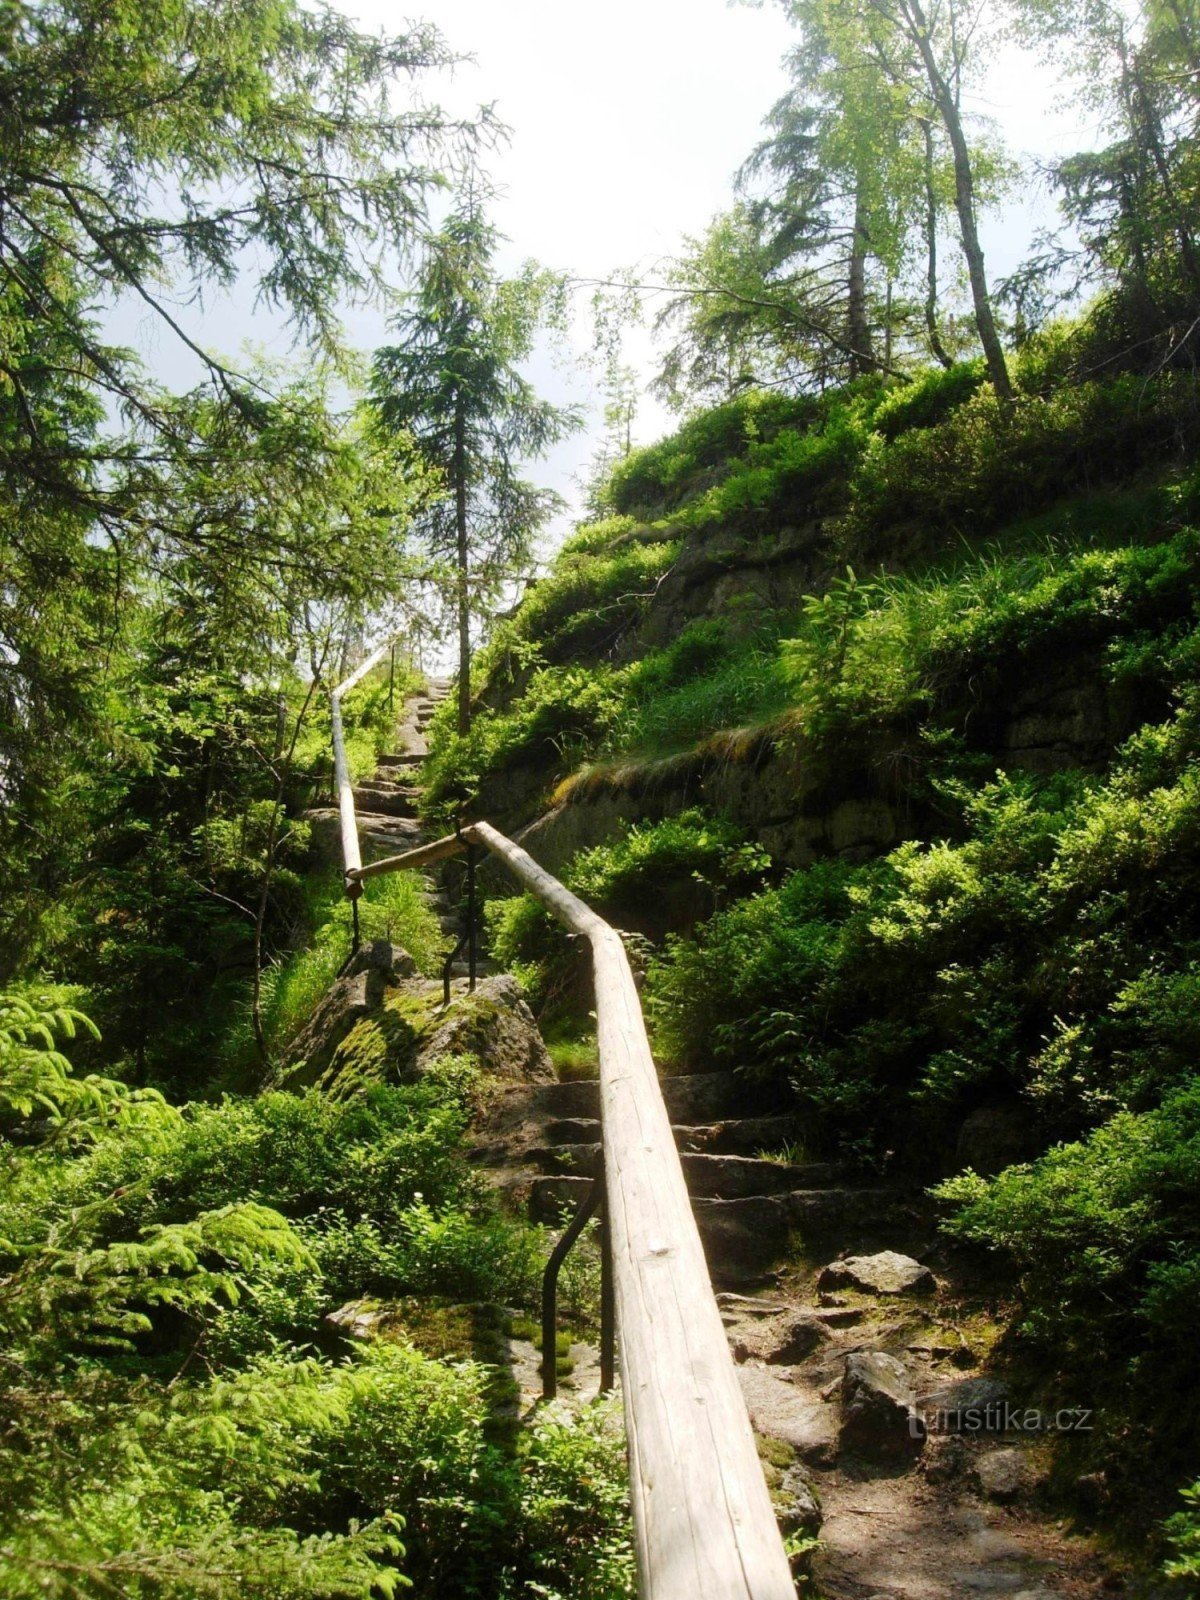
351 854
423 855
703 1520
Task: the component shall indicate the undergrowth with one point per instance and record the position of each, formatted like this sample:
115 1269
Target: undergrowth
180 1421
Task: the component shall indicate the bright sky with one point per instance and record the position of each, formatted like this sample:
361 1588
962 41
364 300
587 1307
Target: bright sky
628 121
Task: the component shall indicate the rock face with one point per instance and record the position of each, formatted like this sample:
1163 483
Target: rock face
885 1273
994 1137
879 1419
496 1027
374 969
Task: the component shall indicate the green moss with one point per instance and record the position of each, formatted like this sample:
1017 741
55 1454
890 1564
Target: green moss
380 1048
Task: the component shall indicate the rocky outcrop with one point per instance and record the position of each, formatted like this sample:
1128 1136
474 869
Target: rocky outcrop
493 1025
357 993
880 1421
801 801
728 572
884 1273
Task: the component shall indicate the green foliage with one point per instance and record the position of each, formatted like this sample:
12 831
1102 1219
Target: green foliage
649 857
1183 1532
708 678
561 715
929 398
452 390
934 463
154 541
660 475
648 876
169 1430
984 465
1102 1230
580 1543
595 593
1030 953
394 908
1103 1233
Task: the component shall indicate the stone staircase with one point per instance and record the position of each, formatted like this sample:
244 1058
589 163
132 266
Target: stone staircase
769 1218
751 1194
388 805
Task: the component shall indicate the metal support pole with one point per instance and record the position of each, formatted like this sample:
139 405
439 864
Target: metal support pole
583 1215
446 966
471 916
355 938
608 1309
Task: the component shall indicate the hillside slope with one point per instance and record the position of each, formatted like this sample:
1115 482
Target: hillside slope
875 715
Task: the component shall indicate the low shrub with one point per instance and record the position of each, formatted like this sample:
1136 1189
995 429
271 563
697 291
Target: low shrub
929 398
661 474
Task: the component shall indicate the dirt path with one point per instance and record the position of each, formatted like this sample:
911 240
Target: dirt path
962 1516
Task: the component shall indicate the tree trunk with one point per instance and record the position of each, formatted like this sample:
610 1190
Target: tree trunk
1151 132
858 327
463 564
964 203
931 279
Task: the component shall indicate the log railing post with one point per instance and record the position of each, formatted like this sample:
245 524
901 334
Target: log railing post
343 785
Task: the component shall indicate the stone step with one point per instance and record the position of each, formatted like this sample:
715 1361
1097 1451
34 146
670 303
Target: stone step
738 1136
691 1098
385 801
388 783
518 1119
402 759
745 1239
390 836
708 1176
573 1130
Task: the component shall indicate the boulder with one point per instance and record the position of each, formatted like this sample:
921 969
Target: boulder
782 1410
971 1405
370 973
885 1273
358 1319
324 837
1000 1474
496 1027
879 1419
781 1340
798 1505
